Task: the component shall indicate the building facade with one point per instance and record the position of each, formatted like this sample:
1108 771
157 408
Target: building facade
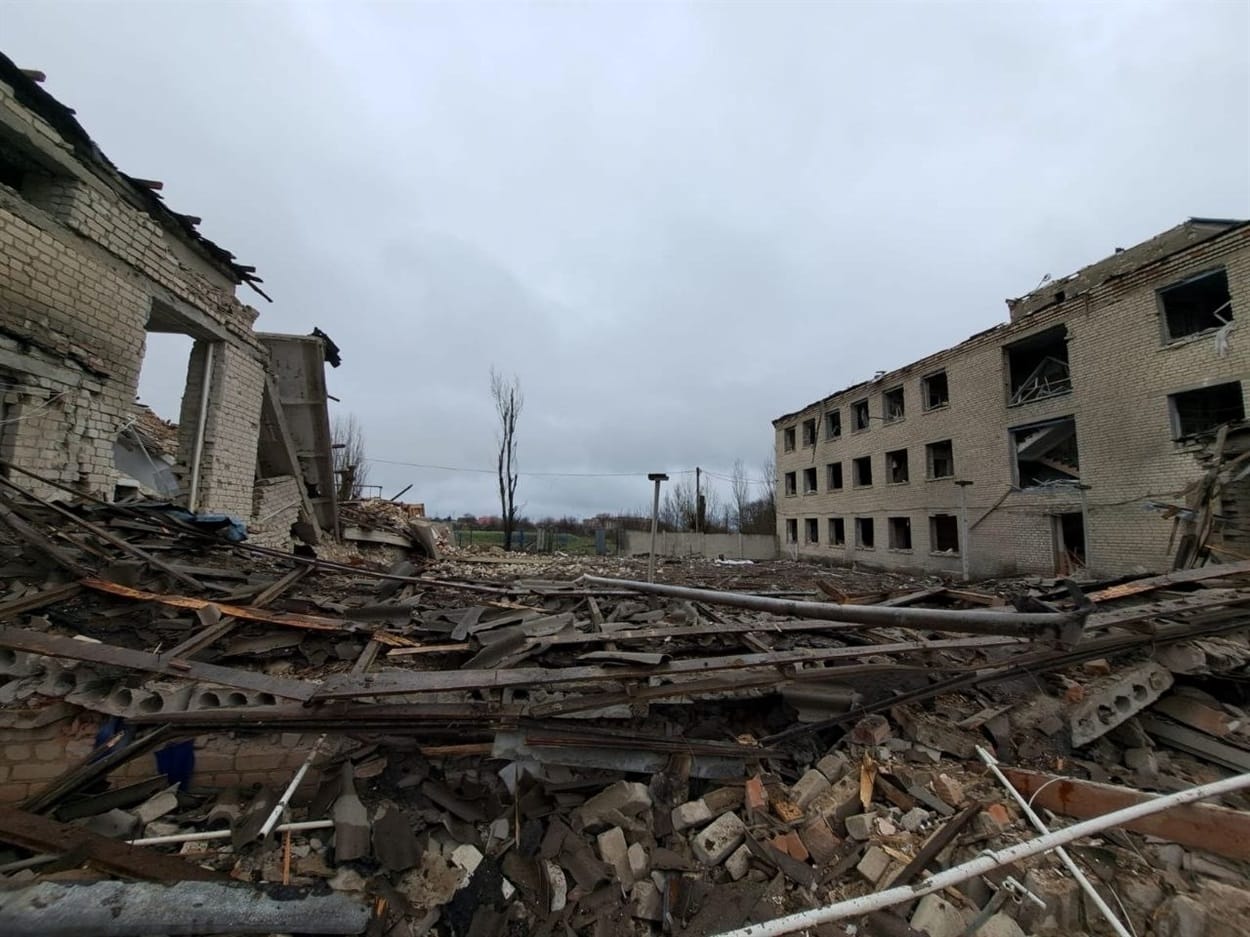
92 261
1045 444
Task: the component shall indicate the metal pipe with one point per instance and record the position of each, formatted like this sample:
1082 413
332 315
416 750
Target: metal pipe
992 763
985 862
1019 624
197 452
280 807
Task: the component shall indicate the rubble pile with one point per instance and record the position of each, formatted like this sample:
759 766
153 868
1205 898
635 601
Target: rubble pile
523 748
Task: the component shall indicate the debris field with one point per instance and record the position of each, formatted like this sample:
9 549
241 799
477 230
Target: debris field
481 745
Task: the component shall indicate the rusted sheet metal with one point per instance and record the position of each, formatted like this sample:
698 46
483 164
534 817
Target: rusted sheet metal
1200 826
1138 586
246 612
43 835
37 642
429 681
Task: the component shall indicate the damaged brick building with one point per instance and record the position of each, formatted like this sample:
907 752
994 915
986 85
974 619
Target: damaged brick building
91 262
1042 444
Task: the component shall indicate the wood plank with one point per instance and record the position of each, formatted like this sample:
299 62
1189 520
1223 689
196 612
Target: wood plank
34 600
1199 826
40 834
1151 583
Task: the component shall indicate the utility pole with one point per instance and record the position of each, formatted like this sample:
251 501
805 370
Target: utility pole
698 500
965 547
656 477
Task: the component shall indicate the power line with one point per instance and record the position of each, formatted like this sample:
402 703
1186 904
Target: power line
491 471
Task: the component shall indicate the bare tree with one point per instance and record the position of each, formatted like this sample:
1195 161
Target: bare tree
351 468
740 489
508 403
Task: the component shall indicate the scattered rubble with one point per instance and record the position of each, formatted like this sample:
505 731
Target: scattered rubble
456 748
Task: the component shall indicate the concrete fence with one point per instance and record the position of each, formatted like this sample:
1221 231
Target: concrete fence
687 543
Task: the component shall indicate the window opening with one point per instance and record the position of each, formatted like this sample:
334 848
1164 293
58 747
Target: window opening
809 432
833 476
859 415
1037 366
1199 304
1200 411
935 390
792 483
792 531
1046 453
861 472
812 526
787 436
944 533
896 467
837 531
900 533
893 405
809 481
864 532
833 424
940 459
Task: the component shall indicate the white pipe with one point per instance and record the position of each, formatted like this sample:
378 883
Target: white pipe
197 451
1062 853
986 862
280 807
207 835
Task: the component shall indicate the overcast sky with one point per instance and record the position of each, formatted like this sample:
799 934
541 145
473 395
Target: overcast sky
673 222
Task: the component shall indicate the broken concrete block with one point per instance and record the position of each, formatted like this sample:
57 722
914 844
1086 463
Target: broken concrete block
822 845
557 884
833 766
156 806
947 788
692 813
938 917
628 798
352 831
467 857
1141 759
871 730
1112 700
644 900
739 862
860 825
839 802
1182 916
1228 908
1001 925
713 844
915 818
721 799
809 788
638 864
615 852
1062 898
885 826
874 864
115 824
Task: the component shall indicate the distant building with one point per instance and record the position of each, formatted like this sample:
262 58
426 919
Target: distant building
1070 421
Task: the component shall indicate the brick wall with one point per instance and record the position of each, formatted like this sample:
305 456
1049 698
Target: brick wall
1122 373
275 507
31 755
82 267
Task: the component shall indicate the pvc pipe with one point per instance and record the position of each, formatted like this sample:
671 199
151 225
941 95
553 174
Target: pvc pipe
280 807
197 452
992 763
1023 624
986 862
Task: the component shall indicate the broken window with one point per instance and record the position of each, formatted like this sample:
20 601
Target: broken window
859 416
863 533
1037 367
809 432
837 531
792 483
899 529
812 530
940 459
809 481
1046 453
792 531
935 391
896 467
787 436
1205 409
892 405
833 424
833 476
861 472
944 533
1199 304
